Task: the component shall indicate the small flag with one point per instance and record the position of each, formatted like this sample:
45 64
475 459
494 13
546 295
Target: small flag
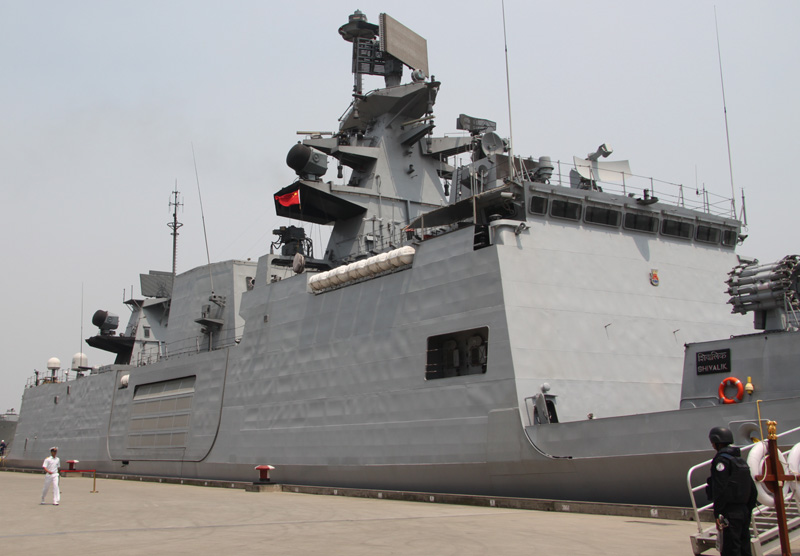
289 199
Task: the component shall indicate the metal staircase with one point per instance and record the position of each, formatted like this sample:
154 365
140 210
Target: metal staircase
764 528
764 537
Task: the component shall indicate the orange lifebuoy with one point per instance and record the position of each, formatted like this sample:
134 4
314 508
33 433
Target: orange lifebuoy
739 390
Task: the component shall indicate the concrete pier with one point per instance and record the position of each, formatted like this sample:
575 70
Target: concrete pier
139 517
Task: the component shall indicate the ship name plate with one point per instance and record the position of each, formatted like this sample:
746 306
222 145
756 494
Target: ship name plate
717 361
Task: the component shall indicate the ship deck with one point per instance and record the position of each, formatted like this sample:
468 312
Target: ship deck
135 517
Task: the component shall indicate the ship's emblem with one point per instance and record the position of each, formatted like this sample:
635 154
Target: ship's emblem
654 276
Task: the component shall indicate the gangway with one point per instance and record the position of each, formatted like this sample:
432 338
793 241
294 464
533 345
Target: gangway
764 539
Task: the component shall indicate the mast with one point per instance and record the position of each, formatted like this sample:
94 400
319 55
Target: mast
174 203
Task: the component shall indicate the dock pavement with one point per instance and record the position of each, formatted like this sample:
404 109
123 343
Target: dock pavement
131 517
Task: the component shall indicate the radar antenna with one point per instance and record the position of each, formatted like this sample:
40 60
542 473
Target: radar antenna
174 203
383 50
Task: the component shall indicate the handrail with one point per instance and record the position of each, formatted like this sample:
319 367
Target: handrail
92 471
670 193
694 468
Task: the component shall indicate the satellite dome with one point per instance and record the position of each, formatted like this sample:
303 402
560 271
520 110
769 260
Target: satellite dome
54 363
79 360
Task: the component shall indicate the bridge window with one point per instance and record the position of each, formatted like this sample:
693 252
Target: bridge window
602 216
708 234
565 209
677 228
538 205
729 238
640 222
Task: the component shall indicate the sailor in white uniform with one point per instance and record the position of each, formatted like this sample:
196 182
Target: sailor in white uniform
51 466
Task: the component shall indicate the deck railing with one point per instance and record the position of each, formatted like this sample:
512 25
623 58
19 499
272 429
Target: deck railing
693 490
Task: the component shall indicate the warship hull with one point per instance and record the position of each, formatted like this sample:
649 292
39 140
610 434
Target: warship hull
650 469
8 429
331 389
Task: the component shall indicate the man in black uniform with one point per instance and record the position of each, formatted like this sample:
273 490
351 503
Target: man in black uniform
733 492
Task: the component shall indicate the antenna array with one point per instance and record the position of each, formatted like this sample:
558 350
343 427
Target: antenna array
174 203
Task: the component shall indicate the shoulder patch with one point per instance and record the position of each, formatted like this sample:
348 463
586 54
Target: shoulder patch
720 466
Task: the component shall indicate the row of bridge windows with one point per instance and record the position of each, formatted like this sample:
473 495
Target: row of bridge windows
631 220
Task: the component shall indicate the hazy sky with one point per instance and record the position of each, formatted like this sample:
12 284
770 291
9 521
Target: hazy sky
101 101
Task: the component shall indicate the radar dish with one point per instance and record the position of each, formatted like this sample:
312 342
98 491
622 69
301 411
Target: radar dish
474 125
606 171
492 143
403 43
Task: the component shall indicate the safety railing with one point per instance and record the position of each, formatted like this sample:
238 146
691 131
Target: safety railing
627 184
694 489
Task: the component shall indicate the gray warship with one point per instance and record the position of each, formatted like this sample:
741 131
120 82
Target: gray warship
479 322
